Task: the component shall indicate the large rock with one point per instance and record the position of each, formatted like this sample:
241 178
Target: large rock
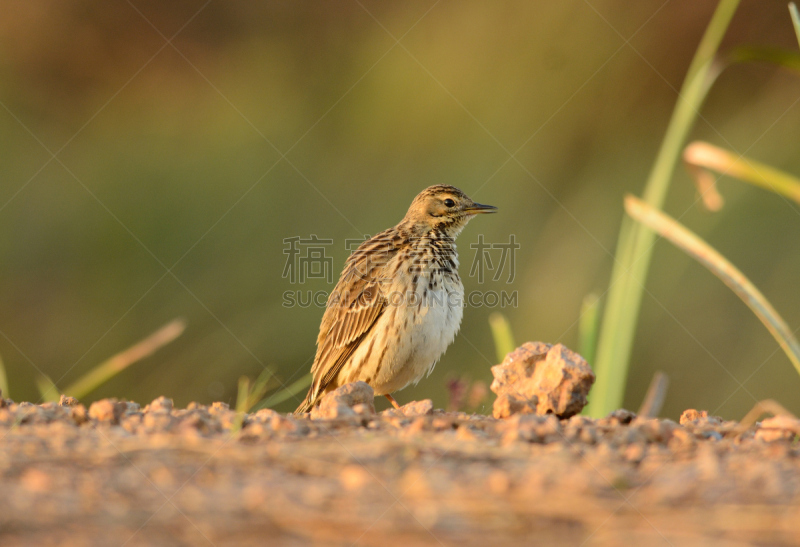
538 378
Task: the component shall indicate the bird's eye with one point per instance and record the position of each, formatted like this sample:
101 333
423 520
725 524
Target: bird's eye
449 202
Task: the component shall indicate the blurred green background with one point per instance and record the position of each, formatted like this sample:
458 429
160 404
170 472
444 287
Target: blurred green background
181 167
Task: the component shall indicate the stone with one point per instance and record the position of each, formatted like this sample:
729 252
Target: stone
699 417
79 414
508 404
158 421
340 402
788 423
692 415
161 404
539 378
218 407
778 428
265 415
67 401
418 408
621 416
107 410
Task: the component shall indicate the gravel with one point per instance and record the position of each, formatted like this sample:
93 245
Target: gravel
120 474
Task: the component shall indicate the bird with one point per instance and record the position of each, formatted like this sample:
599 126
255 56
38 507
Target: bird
398 303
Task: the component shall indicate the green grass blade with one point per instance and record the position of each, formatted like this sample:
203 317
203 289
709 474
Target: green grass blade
766 54
242 394
701 158
260 387
47 389
286 393
795 19
3 379
588 327
634 247
701 251
119 362
503 337
248 396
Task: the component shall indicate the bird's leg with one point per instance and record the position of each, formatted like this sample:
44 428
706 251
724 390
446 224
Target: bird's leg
391 400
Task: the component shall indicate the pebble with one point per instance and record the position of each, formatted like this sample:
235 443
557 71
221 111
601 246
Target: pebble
107 410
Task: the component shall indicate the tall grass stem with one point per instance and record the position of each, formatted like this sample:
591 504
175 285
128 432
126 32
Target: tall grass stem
701 251
634 247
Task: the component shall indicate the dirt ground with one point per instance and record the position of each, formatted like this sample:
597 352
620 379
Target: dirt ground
117 474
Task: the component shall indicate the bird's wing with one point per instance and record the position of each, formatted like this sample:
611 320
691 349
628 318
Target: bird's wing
353 308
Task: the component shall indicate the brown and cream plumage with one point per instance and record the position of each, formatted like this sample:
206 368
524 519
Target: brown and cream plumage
399 301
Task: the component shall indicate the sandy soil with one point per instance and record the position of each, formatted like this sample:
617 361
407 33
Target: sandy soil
118 475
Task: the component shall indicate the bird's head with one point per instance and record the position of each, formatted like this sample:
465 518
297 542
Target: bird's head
443 208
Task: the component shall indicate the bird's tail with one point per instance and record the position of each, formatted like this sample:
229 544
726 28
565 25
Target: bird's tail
308 403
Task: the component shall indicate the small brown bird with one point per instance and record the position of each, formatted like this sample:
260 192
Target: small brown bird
399 301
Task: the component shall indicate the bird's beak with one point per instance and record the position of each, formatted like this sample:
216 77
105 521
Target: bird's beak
478 208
